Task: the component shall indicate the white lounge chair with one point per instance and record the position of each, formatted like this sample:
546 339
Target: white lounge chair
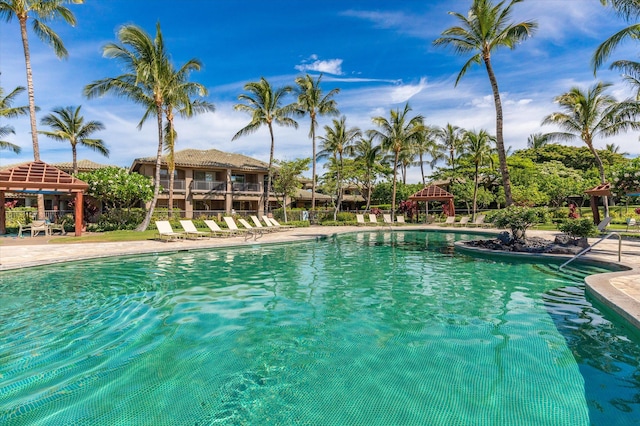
215 229
604 223
259 225
360 219
387 219
256 232
373 219
400 219
478 222
632 223
190 230
463 221
450 221
166 232
276 224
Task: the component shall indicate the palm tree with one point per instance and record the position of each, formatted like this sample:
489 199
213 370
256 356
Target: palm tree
396 134
477 149
590 115
337 141
483 30
68 125
147 69
425 144
265 106
370 156
614 149
9 111
312 101
450 138
536 141
40 12
629 10
177 95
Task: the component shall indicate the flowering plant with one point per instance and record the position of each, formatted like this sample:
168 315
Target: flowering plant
627 178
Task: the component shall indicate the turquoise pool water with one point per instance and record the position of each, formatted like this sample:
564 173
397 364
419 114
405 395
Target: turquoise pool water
365 329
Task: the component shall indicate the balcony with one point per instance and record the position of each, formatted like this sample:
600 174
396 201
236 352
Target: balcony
246 187
208 186
178 184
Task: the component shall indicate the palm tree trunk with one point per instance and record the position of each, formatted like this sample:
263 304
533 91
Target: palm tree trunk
368 192
171 165
393 192
502 156
156 184
424 182
32 104
74 153
475 195
339 191
313 172
270 174
605 199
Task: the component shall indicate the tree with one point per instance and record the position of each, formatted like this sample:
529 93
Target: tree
590 115
369 156
7 110
537 140
147 71
265 107
312 101
41 12
425 144
629 10
485 29
68 125
287 181
337 141
450 137
396 134
478 150
178 93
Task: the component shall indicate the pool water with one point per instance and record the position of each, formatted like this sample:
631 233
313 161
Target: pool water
381 328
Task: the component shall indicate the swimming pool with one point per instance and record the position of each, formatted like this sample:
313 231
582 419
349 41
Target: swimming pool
381 328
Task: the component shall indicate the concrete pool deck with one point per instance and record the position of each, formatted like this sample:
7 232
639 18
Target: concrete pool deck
620 291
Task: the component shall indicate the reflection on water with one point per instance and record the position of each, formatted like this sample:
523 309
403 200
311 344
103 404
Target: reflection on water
373 328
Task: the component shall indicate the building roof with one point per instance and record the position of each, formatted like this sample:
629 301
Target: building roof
83 166
211 158
431 193
305 195
602 190
39 177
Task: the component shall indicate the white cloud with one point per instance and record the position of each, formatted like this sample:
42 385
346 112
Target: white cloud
330 66
403 93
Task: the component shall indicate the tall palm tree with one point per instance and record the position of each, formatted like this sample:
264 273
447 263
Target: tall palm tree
41 12
68 125
369 155
312 101
147 67
450 138
337 141
265 106
7 110
485 29
178 93
396 134
614 149
478 150
425 144
592 114
629 10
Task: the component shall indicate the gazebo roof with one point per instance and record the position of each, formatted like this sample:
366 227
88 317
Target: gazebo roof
431 193
39 177
601 190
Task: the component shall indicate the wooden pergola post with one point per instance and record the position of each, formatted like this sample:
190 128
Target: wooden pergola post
3 219
79 212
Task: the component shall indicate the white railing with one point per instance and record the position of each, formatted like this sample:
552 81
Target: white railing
203 185
178 184
595 244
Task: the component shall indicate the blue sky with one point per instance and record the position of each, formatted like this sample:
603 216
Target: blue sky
379 53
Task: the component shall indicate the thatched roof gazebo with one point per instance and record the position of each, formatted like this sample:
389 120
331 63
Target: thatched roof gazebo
434 193
41 178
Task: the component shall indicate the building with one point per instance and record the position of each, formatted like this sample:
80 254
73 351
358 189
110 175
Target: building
209 182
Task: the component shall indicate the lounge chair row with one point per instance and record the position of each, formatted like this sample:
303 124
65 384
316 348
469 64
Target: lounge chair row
166 232
465 221
373 219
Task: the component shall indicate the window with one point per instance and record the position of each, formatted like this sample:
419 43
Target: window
237 178
205 176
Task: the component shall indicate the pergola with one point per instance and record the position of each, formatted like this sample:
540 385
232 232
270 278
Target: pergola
41 178
434 193
602 190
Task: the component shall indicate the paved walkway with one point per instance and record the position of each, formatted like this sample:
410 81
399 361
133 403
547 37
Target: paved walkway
618 290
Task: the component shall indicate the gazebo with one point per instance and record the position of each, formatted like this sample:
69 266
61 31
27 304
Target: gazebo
434 193
602 190
41 178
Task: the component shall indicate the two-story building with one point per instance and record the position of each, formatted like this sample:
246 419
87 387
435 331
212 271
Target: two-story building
210 182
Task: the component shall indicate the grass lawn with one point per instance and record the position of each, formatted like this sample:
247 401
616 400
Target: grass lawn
106 237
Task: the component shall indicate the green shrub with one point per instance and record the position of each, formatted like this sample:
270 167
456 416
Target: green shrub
346 217
518 219
578 228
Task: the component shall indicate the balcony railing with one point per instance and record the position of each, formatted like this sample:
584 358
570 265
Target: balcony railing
178 184
203 185
246 187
